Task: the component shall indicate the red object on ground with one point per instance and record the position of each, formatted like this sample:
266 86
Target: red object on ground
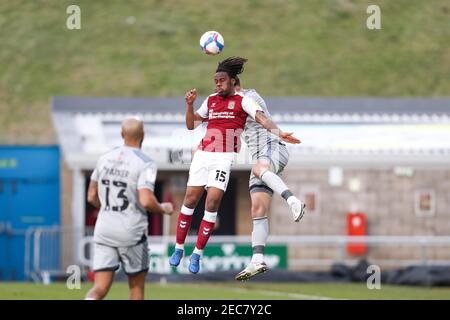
356 226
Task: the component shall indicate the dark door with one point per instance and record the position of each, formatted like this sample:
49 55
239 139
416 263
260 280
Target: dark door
155 224
226 216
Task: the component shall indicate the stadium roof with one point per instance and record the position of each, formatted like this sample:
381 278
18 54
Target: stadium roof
334 131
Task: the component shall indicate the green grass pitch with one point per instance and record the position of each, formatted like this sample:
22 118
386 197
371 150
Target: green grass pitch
228 291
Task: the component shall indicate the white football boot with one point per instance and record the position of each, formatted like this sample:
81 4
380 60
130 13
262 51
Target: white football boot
298 208
251 270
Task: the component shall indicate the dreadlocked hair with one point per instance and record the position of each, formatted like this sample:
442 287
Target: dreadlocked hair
233 66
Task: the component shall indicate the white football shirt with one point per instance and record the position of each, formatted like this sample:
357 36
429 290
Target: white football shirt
122 222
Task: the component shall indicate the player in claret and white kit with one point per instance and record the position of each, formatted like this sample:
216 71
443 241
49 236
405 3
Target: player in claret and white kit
226 112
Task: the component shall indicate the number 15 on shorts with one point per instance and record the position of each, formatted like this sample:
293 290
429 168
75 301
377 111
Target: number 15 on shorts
221 175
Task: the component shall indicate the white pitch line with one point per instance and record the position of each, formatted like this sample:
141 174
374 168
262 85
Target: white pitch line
288 294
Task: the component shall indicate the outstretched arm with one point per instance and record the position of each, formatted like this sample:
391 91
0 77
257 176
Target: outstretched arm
148 200
271 126
192 119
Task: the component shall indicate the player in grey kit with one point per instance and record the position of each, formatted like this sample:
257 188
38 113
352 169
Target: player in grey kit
122 186
270 156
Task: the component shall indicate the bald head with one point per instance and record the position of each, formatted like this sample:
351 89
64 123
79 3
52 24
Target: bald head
133 132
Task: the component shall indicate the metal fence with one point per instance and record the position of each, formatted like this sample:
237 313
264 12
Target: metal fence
50 251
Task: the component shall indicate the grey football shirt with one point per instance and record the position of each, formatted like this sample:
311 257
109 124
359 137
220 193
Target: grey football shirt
255 136
122 222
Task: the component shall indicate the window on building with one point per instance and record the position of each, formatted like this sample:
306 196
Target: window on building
311 197
425 203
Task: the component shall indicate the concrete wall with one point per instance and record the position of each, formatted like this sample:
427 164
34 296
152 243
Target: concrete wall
387 199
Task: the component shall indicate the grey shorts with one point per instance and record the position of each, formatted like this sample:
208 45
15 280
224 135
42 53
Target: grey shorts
278 155
134 259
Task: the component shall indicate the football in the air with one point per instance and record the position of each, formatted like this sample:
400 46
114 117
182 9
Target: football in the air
211 42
